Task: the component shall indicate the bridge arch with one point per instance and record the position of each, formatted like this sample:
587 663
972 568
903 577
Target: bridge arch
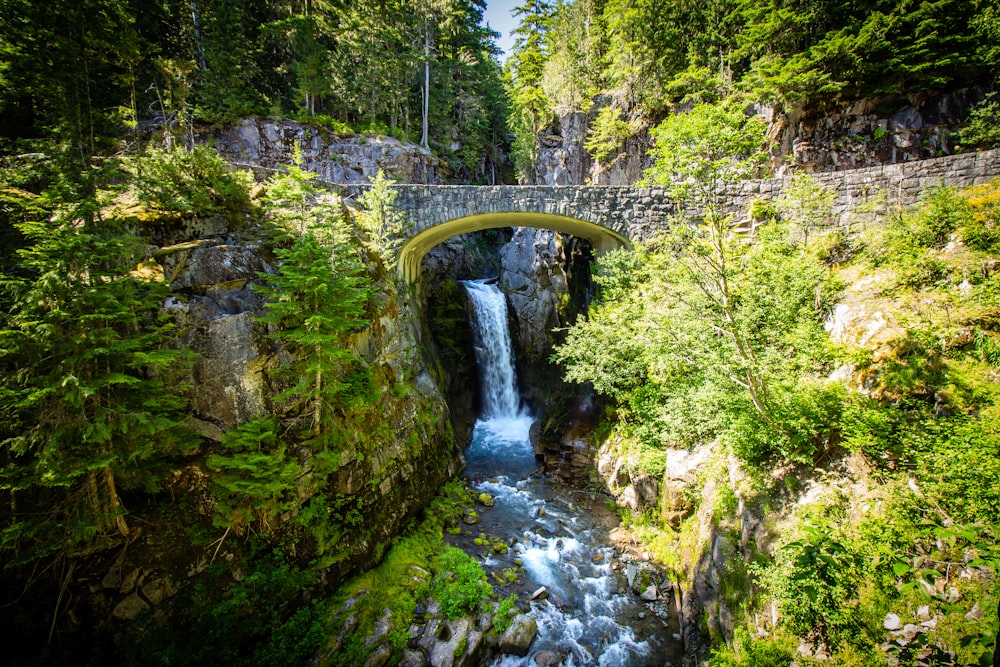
411 254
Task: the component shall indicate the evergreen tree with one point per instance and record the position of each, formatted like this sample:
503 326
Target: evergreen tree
314 304
88 398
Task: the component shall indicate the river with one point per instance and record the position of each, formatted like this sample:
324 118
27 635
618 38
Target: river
560 537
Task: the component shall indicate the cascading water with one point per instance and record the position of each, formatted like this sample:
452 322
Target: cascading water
494 355
586 616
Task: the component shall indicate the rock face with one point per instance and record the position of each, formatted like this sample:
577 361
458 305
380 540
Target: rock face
864 133
871 132
533 276
353 159
395 456
562 159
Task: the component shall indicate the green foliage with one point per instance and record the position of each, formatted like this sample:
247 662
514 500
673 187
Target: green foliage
381 223
418 565
749 651
815 580
316 301
607 134
699 151
196 183
462 585
114 68
90 390
983 127
504 614
690 347
265 619
806 205
255 478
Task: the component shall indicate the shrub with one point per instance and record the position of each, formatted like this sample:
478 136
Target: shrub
461 583
983 128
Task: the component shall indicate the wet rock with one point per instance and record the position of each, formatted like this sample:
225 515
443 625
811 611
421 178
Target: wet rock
485 499
381 656
910 631
470 518
412 658
442 641
534 279
651 594
349 626
539 594
597 558
646 490
548 659
519 636
158 590
129 581
381 629
113 578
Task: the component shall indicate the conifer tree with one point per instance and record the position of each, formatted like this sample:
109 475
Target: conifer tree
315 303
87 397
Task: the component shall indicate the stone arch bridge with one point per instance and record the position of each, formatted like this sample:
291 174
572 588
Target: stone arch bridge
609 217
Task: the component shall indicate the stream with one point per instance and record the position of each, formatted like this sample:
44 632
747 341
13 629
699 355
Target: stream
586 615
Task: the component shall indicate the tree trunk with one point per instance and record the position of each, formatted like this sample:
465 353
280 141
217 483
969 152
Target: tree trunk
427 85
115 505
199 43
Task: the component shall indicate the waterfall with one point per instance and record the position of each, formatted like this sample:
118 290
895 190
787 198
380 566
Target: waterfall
588 614
494 355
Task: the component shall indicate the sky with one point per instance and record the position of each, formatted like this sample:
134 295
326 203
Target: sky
498 17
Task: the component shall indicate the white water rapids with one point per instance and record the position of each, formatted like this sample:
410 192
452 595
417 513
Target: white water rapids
559 538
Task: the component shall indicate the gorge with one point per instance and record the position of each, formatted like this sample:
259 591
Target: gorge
328 337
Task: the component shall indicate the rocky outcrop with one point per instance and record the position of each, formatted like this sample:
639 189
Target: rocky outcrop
338 159
517 639
863 133
214 308
562 159
870 132
394 456
533 276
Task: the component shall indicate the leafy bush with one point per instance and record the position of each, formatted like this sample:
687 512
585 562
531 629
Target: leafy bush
983 126
749 651
607 134
461 584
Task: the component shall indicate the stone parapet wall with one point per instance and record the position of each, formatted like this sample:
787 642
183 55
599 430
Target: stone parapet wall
900 184
637 213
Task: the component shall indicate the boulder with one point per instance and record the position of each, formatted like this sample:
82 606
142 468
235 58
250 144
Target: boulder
519 636
129 608
381 656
